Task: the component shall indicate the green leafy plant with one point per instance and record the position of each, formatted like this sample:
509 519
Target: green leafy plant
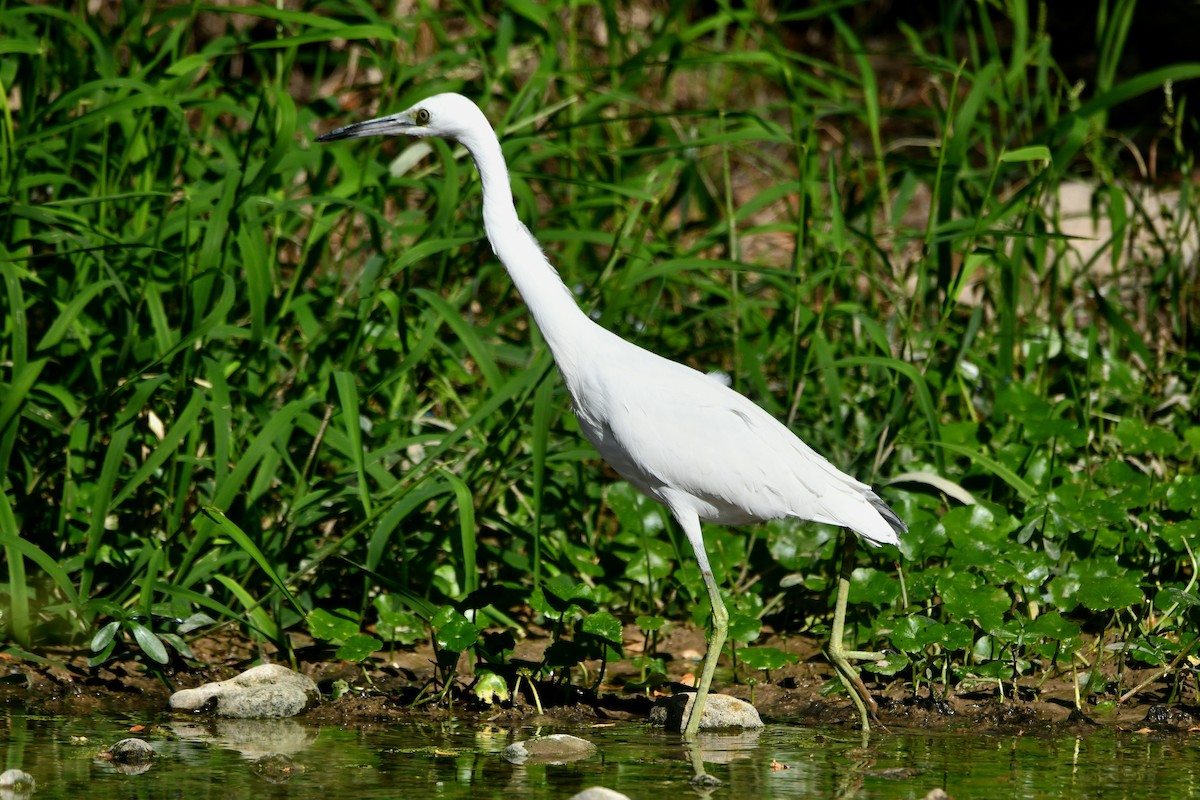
132 630
453 635
339 628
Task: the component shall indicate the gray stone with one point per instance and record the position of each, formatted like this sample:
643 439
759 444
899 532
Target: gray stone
720 711
1162 717
130 756
599 793
263 692
131 751
17 780
557 748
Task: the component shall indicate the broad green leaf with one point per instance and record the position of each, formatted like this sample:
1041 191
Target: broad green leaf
1136 437
104 636
1184 493
1052 625
744 627
1172 596
330 627
490 688
875 587
1110 593
562 591
151 645
456 634
605 626
911 634
358 647
967 597
397 624
766 658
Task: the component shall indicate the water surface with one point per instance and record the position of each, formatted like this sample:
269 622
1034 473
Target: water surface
205 758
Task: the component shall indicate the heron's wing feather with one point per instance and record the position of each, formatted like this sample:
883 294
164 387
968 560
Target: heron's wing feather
679 429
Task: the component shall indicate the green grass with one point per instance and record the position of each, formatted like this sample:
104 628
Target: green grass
250 376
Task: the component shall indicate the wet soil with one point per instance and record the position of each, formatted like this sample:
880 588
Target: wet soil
401 685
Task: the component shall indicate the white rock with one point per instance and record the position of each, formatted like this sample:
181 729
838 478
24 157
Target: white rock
720 711
263 692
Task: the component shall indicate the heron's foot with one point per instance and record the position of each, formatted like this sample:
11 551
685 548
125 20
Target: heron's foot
848 674
702 781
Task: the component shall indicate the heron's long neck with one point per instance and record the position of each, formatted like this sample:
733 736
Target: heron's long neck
553 308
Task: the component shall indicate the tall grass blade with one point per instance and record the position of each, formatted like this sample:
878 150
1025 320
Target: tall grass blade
347 391
239 537
539 444
1024 489
20 623
466 532
258 617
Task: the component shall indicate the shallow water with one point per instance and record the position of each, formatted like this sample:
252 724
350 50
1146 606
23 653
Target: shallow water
204 758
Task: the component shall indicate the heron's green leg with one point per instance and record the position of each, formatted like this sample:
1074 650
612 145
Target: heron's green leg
838 653
720 629
690 522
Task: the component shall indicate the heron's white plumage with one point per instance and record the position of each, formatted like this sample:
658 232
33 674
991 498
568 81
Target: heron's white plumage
682 437
664 425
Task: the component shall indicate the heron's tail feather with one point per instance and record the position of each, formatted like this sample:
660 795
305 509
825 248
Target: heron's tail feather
886 512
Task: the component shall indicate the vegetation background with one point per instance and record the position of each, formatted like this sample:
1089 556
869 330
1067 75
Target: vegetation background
250 380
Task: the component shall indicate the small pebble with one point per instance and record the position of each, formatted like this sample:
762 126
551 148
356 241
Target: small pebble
557 748
130 751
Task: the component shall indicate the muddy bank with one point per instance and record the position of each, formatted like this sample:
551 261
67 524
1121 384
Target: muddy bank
400 685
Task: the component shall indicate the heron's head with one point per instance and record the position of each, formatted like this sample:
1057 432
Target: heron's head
449 116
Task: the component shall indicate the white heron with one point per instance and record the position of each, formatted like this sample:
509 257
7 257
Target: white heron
686 440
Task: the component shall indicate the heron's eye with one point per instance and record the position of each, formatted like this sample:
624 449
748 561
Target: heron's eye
422 116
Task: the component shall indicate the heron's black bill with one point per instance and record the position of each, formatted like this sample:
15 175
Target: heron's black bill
383 126
332 136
